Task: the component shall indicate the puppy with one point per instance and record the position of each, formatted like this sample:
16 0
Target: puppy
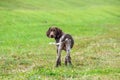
63 42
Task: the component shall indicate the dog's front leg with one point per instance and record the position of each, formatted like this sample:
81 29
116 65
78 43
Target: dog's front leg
58 61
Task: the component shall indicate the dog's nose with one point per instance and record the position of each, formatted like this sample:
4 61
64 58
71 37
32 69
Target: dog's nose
52 36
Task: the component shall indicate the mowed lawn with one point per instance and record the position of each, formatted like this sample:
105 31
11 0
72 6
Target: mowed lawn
25 53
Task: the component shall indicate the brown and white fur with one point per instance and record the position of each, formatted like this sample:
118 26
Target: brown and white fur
63 42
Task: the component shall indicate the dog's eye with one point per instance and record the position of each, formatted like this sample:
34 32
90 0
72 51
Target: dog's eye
53 30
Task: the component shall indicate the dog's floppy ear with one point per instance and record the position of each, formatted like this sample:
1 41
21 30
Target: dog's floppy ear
48 32
59 32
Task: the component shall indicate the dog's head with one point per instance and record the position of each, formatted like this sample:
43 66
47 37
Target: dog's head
54 32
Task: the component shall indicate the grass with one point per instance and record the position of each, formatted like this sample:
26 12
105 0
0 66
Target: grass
26 55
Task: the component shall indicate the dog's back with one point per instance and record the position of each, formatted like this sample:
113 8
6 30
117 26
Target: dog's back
69 37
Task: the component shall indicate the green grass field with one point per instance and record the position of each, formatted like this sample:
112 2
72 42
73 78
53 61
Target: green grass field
25 53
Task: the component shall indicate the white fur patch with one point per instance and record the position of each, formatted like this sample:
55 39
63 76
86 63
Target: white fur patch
53 43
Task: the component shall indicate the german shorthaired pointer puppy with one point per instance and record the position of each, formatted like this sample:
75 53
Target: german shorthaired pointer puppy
63 42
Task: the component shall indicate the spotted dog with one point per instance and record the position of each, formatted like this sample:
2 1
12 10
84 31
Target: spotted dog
63 42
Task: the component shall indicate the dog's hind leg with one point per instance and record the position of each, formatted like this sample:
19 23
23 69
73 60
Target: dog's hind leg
59 50
68 58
